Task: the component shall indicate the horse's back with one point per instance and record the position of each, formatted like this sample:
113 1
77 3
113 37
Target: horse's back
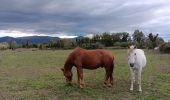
93 53
92 59
106 56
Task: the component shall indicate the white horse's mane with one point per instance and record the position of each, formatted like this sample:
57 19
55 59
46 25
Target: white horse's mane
131 48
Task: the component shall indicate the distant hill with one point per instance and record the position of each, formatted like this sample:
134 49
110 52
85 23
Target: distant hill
32 39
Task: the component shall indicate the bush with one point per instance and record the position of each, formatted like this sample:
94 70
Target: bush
68 43
4 46
35 45
122 44
12 45
165 48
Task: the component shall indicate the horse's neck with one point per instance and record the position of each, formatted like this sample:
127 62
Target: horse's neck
68 65
141 59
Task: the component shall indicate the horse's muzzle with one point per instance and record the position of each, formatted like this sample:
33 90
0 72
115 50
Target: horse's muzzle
131 64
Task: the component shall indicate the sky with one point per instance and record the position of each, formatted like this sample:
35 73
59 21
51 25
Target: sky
83 17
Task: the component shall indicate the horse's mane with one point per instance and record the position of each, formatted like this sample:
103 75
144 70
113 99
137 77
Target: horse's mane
69 60
131 48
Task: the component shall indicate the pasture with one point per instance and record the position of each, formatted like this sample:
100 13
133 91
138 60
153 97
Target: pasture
36 75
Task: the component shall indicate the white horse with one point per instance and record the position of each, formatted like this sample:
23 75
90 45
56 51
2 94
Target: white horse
136 61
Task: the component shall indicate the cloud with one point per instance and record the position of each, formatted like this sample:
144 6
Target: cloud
16 33
77 17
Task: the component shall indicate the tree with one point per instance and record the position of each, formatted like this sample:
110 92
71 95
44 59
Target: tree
116 37
27 44
35 45
4 45
96 38
138 37
125 36
60 44
52 44
12 45
153 40
165 48
79 41
107 39
159 41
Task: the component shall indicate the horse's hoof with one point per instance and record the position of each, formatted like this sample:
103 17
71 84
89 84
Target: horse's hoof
104 85
109 85
81 86
131 90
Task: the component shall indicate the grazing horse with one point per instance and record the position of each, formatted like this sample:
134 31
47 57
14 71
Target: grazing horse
136 61
89 59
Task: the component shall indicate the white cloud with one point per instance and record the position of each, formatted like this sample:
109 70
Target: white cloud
13 33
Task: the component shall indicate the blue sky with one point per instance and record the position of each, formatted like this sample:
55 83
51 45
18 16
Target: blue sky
76 17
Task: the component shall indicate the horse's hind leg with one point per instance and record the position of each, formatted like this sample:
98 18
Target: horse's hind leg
111 75
106 81
108 77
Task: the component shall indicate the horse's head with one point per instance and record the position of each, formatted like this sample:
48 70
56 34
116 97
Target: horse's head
68 75
131 56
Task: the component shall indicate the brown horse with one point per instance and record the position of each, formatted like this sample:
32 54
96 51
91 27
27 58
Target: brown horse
89 59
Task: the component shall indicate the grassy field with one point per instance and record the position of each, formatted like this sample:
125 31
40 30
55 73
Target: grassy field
36 75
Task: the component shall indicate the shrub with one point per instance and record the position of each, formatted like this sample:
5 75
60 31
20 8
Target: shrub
122 44
12 45
165 48
4 46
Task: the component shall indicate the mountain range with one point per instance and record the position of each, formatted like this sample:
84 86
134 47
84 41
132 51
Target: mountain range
32 39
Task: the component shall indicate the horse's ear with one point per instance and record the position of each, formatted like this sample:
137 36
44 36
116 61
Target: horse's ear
135 47
128 47
62 69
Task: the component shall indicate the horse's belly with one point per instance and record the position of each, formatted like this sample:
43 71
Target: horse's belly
91 65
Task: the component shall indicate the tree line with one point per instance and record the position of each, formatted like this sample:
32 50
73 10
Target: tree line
106 39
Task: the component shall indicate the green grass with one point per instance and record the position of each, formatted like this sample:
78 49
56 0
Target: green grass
36 75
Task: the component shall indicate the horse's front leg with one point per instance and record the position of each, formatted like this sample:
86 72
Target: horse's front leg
132 78
80 76
139 79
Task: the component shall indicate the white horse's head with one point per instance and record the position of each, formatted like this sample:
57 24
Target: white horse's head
131 56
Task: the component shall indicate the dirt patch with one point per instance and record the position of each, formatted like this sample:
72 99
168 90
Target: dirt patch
164 69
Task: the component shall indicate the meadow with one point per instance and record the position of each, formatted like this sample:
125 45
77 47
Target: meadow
36 75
